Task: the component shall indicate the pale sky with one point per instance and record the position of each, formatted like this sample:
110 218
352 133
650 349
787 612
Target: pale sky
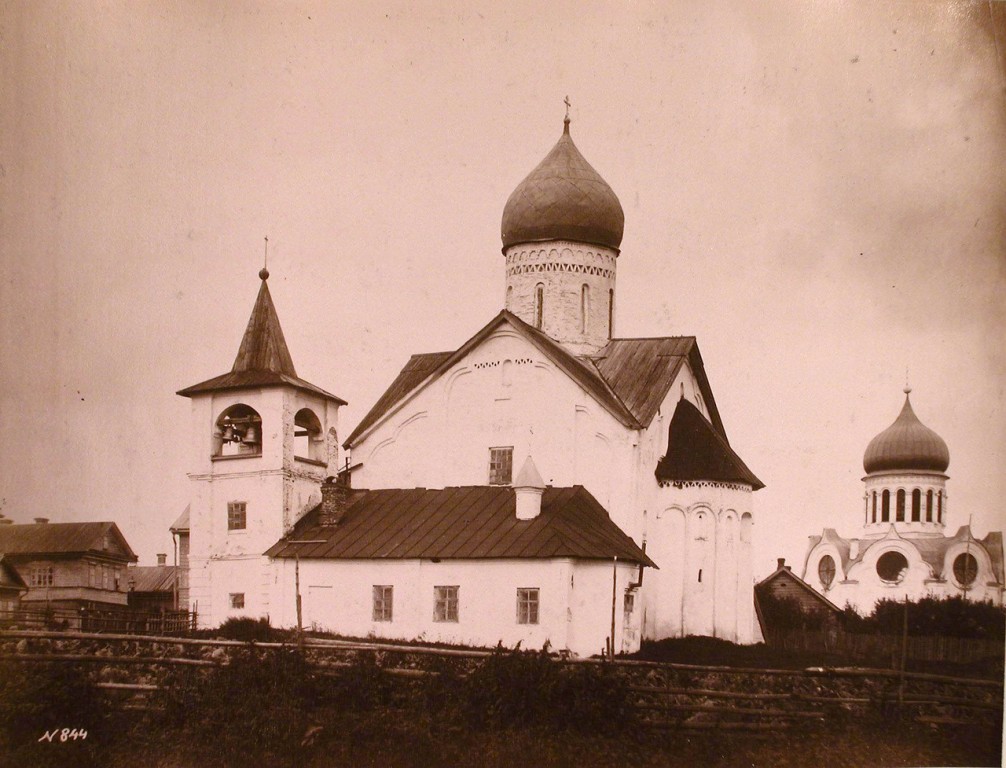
813 189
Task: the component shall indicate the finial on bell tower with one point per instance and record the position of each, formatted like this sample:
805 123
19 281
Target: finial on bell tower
264 272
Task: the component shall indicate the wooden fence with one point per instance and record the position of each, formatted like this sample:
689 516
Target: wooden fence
117 620
963 650
664 695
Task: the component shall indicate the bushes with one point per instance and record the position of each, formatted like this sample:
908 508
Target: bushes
254 710
39 698
519 690
946 616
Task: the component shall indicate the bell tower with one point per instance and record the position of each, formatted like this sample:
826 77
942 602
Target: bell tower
263 440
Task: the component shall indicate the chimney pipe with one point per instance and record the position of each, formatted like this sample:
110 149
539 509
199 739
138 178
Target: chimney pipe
162 558
528 488
41 520
334 499
781 562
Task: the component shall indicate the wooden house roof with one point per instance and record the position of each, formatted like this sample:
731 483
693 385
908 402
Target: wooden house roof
39 539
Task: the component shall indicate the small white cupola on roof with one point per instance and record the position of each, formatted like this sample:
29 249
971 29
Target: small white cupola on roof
528 488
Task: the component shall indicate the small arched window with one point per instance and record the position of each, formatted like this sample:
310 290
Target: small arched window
929 506
539 304
901 505
916 506
885 507
611 312
307 440
584 306
939 507
238 432
874 506
826 570
509 298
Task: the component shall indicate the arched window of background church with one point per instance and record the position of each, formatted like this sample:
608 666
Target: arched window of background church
539 304
892 567
885 506
238 432
584 305
307 442
874 506
611 312
916 506
901 506
826 570
929 505
965 569
939 507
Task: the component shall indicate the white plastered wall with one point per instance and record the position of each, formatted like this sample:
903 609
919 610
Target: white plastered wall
574 600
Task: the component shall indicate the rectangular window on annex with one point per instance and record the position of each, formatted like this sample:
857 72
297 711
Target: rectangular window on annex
236 515
501 465
237 599
445 603
383 595
527 605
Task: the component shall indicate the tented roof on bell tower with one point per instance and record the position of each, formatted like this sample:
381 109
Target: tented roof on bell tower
263 358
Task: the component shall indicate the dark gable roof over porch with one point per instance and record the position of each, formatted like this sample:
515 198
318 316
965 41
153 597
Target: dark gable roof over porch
629 377
465 523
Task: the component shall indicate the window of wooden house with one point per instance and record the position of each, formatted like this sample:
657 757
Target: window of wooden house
383 602
527 605
445 603
42 576
501 465
237 515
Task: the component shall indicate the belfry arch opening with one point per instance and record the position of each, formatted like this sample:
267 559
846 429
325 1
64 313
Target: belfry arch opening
307 438
238 432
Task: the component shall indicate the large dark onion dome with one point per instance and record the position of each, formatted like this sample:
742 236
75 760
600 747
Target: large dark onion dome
563 199
907 444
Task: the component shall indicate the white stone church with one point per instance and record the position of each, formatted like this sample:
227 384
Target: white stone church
545 482
902 550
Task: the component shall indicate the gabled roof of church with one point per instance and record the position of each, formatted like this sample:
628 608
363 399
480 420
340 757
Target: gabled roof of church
263 359
642 371
628 377
697 451
465 523
19 541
